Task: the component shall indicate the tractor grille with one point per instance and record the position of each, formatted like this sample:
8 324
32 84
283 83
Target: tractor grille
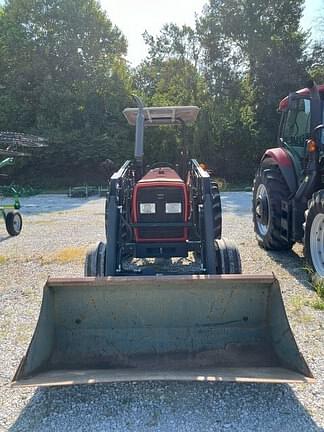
160 197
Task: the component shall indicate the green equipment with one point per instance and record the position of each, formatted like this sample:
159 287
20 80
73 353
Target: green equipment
11 216
11 141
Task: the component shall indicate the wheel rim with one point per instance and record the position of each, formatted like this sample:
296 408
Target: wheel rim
16 223
317 243
262 210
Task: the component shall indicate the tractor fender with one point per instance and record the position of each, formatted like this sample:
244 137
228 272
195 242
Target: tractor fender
285 164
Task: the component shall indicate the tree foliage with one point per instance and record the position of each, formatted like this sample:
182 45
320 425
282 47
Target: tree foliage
64 75
249 54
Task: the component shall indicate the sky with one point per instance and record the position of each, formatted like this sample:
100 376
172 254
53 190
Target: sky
133 17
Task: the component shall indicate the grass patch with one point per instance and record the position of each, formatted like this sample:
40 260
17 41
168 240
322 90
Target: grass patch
297 302
319 288
65 256
317 304
3 259
297 305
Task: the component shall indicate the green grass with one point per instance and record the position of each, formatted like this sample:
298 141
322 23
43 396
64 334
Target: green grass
319 288
318 304
297 302
318 285
3 259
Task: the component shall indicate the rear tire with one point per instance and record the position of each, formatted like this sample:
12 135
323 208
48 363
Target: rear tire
228 259
217 210
13 223
94 265
314 234
269 189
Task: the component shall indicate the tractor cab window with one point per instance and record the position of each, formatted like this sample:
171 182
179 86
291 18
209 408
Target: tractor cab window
296 128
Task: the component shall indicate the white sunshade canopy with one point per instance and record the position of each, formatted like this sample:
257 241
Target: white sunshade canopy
155 116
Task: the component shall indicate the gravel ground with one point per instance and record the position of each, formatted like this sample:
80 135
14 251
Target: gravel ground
53 223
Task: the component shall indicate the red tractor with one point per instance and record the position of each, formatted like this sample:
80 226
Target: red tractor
192 325
288 192
166 212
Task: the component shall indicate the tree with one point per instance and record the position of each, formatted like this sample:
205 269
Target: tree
65 77
254 54
170 81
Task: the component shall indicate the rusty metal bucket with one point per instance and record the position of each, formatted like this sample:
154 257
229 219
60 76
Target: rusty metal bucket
201 328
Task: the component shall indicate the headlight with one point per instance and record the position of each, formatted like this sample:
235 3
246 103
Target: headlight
147 208
173 207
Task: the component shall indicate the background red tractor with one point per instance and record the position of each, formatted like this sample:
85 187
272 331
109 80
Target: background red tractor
288 192
162 212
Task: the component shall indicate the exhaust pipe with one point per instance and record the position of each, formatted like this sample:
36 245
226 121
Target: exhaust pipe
139 138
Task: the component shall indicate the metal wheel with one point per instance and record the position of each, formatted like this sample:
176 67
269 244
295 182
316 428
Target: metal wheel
262 210
317 244
13 223
314 233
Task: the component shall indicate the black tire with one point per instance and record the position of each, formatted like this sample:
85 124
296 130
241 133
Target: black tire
90 264
267 209
95 261
106 218
228 259
13 223
217 210
101 259
313 253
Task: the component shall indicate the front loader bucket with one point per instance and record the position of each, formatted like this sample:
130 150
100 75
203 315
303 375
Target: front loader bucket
201 328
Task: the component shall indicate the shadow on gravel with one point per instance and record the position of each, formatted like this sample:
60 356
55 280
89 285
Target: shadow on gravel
166 406
4 238
51 203
294 264
238 203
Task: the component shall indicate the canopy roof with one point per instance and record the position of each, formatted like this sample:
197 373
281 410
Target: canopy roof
155 116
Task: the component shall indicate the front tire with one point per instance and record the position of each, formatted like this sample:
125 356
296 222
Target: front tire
314 233
269 189
217 210
228 259
94 265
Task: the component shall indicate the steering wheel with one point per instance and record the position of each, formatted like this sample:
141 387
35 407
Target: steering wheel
162 165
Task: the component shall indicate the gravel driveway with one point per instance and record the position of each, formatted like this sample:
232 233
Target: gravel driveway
53 223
